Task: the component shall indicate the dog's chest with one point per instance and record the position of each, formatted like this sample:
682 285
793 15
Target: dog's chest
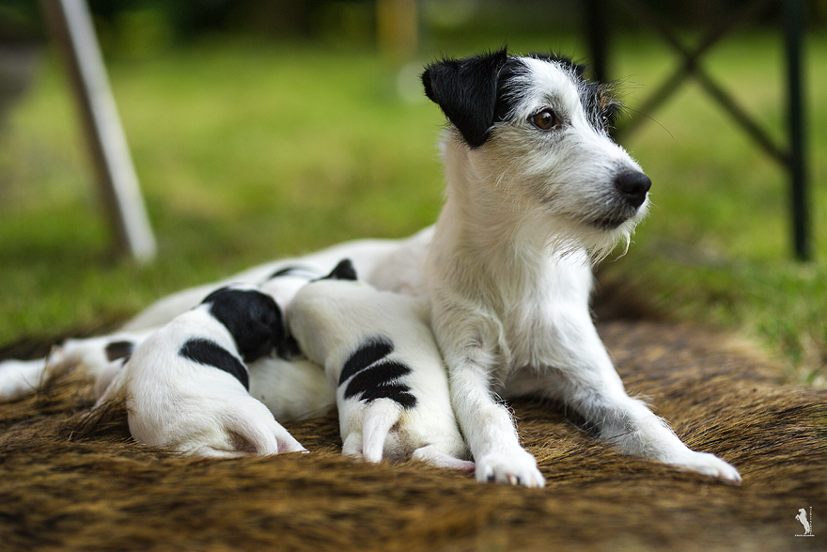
541 320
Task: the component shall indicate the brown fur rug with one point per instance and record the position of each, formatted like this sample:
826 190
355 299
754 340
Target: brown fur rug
69 482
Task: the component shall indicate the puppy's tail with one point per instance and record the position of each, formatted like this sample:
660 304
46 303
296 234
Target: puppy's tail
380 417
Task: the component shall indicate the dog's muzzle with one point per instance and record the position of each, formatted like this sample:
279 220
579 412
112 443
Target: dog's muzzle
633 185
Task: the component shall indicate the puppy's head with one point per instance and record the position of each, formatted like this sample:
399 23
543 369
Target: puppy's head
536 134
252 317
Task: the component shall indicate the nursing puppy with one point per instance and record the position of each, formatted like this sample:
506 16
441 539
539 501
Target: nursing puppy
376 347
187 383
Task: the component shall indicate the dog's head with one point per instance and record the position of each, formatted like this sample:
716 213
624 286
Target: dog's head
252 317
537 134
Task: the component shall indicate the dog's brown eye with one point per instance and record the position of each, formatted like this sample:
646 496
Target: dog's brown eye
546 120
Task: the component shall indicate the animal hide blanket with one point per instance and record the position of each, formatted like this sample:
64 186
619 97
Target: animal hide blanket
69 481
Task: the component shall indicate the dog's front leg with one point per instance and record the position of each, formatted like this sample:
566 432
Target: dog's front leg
588 384
490 431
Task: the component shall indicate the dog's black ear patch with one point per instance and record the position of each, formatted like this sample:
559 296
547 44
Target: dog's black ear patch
252 317
209 353
343 271
466 91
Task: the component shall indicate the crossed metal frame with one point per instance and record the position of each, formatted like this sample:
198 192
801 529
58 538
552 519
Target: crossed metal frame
790 156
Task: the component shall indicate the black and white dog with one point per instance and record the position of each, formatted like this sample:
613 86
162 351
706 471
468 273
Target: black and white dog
378 351
186 384
537 193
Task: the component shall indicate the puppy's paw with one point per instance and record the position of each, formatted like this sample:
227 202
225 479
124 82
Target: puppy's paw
286 442
517 468
435 457
707 464
20 377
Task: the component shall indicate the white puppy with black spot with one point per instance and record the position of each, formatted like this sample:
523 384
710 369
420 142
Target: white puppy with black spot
186 384
378 351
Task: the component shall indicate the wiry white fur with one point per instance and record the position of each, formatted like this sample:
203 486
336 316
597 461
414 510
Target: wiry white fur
509 278
330 319
177 403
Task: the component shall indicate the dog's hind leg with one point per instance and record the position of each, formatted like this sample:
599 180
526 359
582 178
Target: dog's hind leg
253 426
352 446
435 457
242 431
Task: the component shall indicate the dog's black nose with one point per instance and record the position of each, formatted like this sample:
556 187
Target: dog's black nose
633 185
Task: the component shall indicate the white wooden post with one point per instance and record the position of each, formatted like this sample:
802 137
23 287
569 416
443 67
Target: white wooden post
70 25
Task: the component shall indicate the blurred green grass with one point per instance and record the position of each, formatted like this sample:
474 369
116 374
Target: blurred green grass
250 150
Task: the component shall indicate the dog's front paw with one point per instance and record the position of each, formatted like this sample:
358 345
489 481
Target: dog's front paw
517 468
709 465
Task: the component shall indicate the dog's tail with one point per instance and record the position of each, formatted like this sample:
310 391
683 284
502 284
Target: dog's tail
380 417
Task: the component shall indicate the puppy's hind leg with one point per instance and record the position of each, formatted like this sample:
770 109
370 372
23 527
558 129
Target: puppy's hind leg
20 377
352 446
435 457
253 429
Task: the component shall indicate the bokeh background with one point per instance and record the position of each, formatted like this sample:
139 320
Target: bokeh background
261 129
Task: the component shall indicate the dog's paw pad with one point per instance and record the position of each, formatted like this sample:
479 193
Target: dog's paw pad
510 469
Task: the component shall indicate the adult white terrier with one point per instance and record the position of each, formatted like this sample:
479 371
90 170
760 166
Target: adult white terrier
537 192
379 353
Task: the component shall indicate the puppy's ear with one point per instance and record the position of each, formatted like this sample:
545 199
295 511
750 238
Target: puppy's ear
343 271
466 90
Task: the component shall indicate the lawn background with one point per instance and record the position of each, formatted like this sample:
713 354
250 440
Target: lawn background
250 149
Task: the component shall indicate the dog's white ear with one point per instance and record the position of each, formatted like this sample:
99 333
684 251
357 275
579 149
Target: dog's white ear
466 90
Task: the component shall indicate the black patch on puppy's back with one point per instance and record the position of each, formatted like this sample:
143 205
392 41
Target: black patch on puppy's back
342 271
208 353
369 375
115 350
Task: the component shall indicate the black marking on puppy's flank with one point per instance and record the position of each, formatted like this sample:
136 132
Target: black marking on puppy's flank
209 353
368 375
115 350
367 354
380 381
